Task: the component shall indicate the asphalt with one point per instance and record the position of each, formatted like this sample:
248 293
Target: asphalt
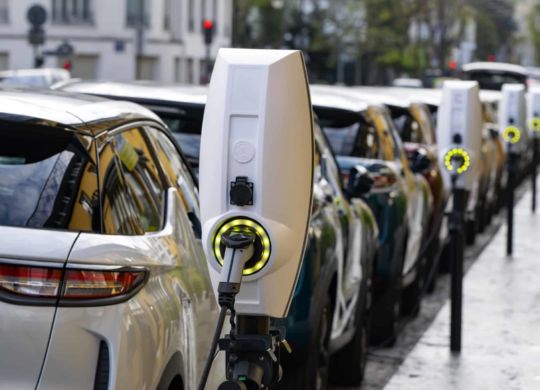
501 338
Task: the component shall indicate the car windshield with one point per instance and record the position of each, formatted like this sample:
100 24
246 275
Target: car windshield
493 80
47 179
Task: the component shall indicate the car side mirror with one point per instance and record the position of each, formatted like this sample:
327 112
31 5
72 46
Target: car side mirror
420 162
360 182
493 133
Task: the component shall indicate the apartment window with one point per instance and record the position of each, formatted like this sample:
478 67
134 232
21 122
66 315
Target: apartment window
190 77
137 11
4 11
146 68
83 66
4 61
178 76
191 15
72 11
167 10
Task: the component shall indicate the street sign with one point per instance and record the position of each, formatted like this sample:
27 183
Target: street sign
36 15
65 50
36 36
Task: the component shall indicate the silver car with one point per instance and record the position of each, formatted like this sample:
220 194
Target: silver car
103 282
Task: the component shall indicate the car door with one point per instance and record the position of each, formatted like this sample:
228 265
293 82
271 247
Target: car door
204 305
350 267
392 148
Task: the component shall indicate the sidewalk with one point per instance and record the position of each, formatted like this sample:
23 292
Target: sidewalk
501 328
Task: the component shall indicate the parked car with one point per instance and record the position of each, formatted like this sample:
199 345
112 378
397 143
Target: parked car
33 78
103 280
327 324
416 127
363 135
482 199
492 75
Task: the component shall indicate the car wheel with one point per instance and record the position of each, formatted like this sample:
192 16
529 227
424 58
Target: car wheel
313 372
348 365
385 315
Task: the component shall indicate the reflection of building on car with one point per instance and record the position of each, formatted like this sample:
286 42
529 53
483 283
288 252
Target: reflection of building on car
331 300
113 284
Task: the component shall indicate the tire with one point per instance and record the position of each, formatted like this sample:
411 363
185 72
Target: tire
385 315
348 365
313 372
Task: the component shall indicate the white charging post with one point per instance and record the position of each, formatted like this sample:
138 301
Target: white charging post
459 124
533 121
256 182
512 118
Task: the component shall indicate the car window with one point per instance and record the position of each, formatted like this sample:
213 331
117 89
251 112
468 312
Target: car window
47 179
494 80
178 174
408 127
119 213
349 134
142 176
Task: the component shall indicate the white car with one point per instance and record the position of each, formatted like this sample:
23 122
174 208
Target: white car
103 281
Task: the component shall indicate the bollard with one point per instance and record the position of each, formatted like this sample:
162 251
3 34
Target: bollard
457 247
534 171
510 188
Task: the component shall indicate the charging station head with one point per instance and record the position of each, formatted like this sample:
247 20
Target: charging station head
533 111
459 131
256 171
512 117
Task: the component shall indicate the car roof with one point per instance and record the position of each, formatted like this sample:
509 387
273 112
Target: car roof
495 66
140 91
338 97
82 113
34 72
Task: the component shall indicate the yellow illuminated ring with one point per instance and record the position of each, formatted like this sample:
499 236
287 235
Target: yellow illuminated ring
457 152
512 134
534 124
238 225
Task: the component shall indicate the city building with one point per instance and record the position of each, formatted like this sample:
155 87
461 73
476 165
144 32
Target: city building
114 40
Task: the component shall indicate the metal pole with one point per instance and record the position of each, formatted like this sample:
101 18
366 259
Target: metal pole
457 248
510 204
208 64
534 171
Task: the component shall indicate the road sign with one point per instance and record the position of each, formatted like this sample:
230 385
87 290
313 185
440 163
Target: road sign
36 36
36 15
65 50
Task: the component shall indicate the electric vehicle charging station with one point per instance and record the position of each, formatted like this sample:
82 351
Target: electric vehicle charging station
533 121
512 119
256 182
459 122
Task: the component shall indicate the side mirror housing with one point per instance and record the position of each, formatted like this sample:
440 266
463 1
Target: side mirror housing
420 162
360 182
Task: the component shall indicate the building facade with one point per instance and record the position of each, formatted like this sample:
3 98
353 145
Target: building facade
119 40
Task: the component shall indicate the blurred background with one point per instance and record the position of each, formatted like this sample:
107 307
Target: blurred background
345 41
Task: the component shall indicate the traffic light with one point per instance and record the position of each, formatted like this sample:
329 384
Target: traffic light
208 30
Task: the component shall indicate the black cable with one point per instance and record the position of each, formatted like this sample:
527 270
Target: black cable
213 346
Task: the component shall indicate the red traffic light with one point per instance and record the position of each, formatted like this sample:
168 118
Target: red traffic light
208 24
